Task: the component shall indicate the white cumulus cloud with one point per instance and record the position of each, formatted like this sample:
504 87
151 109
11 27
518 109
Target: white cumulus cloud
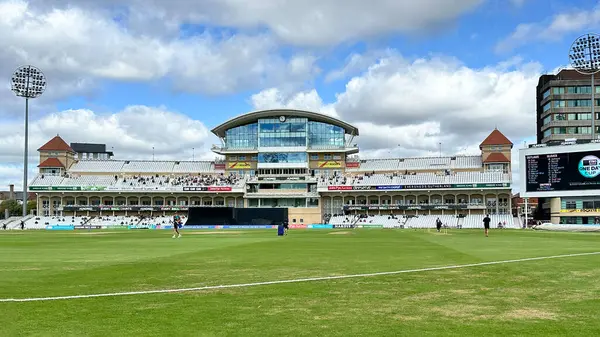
131 133
297 22
410 107
569 21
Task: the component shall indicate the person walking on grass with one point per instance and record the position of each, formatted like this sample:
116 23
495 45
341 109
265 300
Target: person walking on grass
176 224
486 224
286 226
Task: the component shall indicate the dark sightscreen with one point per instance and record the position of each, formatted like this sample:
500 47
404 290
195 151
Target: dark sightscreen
260 216
218 216
199 216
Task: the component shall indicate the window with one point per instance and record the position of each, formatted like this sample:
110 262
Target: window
337 157
244 137
327 157
560 117
254 158
291 133
232 158
558 90
547 106
314 157
301 220
559 104
323 135
571 130
293 220
496 167
560 131
588 205
546 94
241 157
284 157
579 90
570 205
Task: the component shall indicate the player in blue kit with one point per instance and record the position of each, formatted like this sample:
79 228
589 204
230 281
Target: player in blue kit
176 224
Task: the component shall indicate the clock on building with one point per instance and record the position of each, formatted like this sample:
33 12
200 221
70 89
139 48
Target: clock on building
282 119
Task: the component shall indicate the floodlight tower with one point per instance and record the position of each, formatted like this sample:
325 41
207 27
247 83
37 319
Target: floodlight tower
584 56
27 82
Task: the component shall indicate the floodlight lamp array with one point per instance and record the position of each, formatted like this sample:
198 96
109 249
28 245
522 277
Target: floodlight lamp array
28 82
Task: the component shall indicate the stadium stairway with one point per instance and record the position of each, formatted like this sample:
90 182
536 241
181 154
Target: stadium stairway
16 222
88 220
8 221
517 222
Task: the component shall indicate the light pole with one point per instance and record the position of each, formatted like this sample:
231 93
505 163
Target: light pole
27 82
584 56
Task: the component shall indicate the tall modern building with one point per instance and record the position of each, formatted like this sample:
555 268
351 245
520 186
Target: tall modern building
564 111
564 107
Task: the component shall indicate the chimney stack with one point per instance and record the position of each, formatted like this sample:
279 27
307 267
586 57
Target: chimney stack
11 193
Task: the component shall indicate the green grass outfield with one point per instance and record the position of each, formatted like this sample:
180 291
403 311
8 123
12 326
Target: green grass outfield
549 297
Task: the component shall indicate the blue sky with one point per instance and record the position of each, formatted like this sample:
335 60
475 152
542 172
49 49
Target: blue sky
471 39
425 72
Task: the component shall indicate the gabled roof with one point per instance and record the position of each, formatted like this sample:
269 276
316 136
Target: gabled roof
56 144
51 163
496 158
496 138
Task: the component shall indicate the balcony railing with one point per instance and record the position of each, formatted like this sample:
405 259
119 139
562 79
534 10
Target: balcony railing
216 147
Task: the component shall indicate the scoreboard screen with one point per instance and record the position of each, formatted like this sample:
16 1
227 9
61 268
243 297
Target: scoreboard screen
562 171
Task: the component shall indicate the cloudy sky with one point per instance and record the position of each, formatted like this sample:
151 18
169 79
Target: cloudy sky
137 74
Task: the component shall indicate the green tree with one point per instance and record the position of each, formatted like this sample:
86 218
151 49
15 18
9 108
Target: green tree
13 206
31 206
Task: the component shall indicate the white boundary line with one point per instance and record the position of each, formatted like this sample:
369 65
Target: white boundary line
310 279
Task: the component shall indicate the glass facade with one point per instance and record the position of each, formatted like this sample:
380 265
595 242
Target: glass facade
547 120
285 157
571 130
325 135
546 106
578 207
573 90
288 186
574 103
546 94
291 132
571 116
274 133
242 137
